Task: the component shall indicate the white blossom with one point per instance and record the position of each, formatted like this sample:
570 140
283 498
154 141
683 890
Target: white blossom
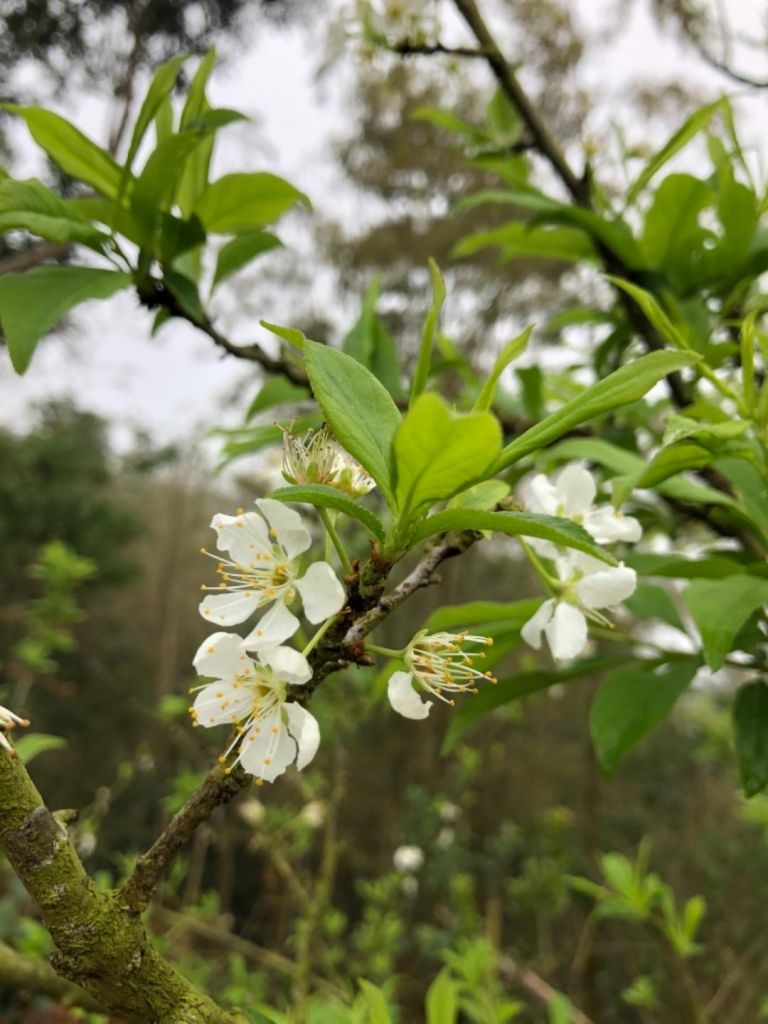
272 732
317 458
8 721
440 665
262 570
572 496
408 858
586 586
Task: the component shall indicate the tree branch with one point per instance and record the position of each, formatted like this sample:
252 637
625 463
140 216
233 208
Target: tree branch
409 48
31 974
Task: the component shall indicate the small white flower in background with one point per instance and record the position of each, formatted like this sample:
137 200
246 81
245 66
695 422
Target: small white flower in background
445 837
440 665
449 812
313 814
408 858
252 812
272 732
8 721
587 585
571 496
317 458
263 548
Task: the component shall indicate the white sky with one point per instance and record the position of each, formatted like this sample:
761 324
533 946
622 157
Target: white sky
177 385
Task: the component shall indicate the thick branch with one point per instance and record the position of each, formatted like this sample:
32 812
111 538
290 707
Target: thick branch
101 946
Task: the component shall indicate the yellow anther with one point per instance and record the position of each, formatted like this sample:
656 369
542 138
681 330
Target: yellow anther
259 782
267 760
239 511
211 649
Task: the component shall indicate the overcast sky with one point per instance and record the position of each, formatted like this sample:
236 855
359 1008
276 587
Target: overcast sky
177 385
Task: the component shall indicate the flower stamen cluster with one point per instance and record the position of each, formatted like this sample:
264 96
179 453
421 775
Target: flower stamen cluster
8 721
315 457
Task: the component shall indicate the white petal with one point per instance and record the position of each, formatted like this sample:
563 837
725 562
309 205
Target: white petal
404 698
223 703
542 495
221 657
267 748
534 627
288 529
611 586
566 632
321 592
272 629
606 525
229 608
306 732
576 490
243 536
288 665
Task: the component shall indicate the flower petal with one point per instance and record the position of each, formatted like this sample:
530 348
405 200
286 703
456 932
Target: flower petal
272 629
606 526
306 732
566 632
404 698
610 586
267 748
321 592
288 665
538 622
223 703
221 657
286 525
244 536
542 495
231 607
576 490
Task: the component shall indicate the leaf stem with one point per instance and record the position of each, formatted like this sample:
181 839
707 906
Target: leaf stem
553 585
336 541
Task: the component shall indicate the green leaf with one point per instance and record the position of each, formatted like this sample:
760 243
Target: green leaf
625 385
28 747
522 684
720 608
712 567
184 290
562 532
292 335
630 703
276 391
372 345
485 495
508 354
74 152
155 189
359 410
750 726
424 362
473 613
696 123
653 311
452 123
672 230
650 601
32 302
666 463
375 1002
679 427
438 453
159 89
31 206
328 497
239 251
521 240
442 999
239 203
196 101
194 180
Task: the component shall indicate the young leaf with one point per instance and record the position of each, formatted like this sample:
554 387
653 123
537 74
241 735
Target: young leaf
485 495
508 354
720 608
562 532
292 335
442 999
328 497
653 311
438 453
155 189
31 206
28 747
378 1011
421 373
625 385
159 89
238 252
629 703
750 724
32 302
196 101
74 152
372 345
238 203
276 391
359 410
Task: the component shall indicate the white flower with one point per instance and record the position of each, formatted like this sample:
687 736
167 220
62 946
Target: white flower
571 496
272 732
440 665
313 814
408 858
8 721
252 812
317 458
445 837
261 570
587 584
